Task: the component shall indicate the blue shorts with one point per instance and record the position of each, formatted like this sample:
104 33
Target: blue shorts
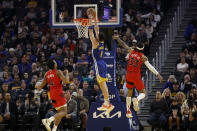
100 70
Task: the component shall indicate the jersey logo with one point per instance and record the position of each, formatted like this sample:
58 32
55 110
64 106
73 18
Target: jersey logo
49 76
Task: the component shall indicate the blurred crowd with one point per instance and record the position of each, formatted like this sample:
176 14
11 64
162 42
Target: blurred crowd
178 98
27 42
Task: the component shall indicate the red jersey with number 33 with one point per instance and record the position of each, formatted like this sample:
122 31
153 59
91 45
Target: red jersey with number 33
135 62
54 81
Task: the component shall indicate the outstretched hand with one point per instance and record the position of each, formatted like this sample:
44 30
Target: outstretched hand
160 78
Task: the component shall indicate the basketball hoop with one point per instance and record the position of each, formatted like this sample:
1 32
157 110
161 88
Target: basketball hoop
82 25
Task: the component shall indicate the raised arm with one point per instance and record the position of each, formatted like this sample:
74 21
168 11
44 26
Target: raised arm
44 82
151 68
65 79
122 43
92 38
96 28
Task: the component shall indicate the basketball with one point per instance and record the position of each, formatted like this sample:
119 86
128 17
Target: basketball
91 13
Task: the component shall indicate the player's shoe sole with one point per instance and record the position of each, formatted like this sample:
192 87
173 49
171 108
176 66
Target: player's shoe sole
135 104
46 123
109 109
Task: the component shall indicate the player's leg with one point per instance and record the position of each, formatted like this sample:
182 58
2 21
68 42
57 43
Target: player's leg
141 89
58 117
128 101
106 105
61 112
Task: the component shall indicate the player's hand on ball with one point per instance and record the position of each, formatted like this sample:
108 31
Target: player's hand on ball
160 78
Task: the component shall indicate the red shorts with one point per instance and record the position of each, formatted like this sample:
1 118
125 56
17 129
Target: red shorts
134 79
58 99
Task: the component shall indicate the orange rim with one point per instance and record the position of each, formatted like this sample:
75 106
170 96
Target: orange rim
83 21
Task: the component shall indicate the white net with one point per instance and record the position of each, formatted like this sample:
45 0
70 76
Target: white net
82 27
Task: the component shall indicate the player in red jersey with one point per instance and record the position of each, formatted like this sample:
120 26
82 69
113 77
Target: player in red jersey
133 77
55 78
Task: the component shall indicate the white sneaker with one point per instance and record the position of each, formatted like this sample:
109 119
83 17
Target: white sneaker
135 104
47 124
109 109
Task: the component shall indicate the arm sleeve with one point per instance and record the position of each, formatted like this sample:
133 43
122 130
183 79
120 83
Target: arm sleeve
151 68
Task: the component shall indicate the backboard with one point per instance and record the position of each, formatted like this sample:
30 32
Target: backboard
62 13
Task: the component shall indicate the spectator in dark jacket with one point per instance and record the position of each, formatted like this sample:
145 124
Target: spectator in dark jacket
31 112
158 109
8 112
24 66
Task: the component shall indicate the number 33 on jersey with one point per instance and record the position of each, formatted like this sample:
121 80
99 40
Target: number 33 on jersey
135 61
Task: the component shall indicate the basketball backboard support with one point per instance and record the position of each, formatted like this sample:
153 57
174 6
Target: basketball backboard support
62 13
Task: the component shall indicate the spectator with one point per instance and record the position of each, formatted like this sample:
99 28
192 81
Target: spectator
23 91
38 91
185 114
24 66
6 78
95 91
73 88
1 98
15 70
71 117
66 65
180 98
169 83
33 82
20 111
192 114
149 31
167 97
158 109
83 107
86 91
4 89
27 79
175 89
186 85
91 75
8 112
45 105
31 112
193 75
82 65
194 63
175 114
182 66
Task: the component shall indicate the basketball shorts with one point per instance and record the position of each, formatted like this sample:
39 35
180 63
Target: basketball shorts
58 99
100 70
134 79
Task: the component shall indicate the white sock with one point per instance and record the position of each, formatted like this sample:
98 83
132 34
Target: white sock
106 102
128 103
141 96
54 128
51 118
